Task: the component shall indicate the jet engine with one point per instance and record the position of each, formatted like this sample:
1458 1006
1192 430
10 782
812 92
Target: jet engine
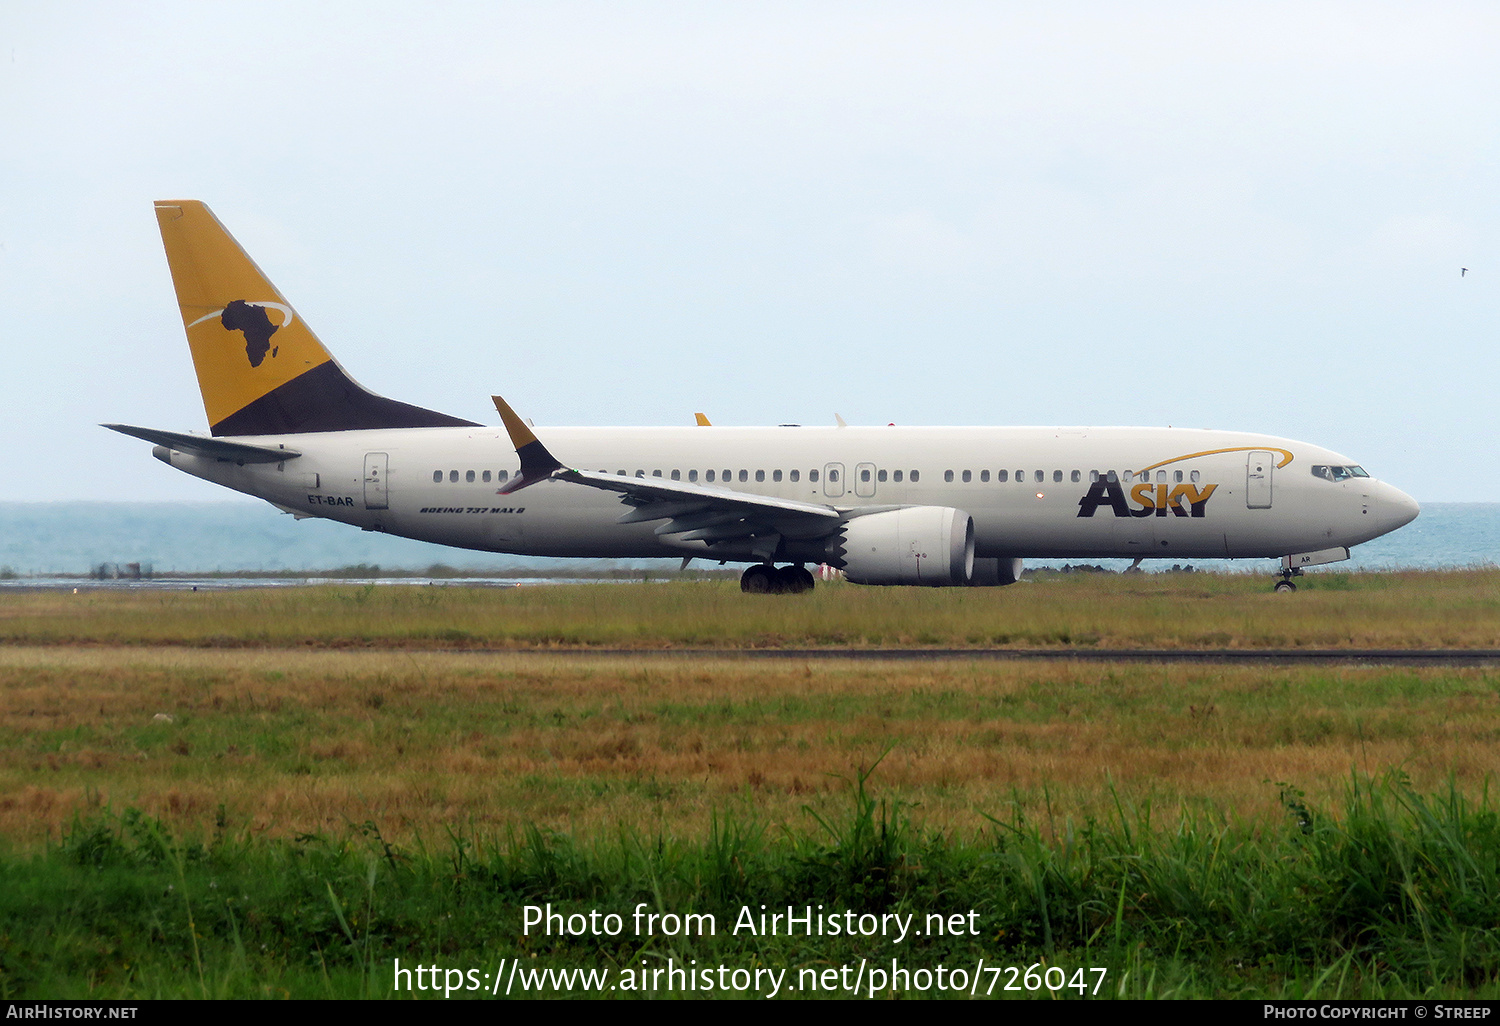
931 545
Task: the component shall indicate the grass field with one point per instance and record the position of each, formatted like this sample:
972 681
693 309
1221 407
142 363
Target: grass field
251 793
1415 609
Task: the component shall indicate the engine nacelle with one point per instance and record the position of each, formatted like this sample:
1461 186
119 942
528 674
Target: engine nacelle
931 545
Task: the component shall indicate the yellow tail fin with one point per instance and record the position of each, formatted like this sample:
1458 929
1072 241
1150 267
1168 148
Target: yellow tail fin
260 367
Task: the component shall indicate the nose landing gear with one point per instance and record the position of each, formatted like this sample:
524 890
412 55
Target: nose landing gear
1286 584
765 579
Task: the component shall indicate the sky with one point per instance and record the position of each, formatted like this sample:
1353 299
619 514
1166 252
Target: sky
1248 216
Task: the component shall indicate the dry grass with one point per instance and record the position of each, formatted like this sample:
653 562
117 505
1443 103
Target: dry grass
294 740
1459 609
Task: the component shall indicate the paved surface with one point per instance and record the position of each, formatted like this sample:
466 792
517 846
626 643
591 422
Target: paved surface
1239 657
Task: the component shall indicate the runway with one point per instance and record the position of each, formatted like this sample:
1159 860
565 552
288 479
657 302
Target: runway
1439 657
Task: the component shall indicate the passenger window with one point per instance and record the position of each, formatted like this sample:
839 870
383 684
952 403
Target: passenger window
744 475
775 475
1020 477
796 474
812 475
676 475
503 475
1057 476
469 477
453 476
915 477
1161 477
1177 477
968 477
1002 476
640 473
656 473
984 477
760 475
437 477
1193 477
709 477
1040 477
1093 476
1076 477
728 477
948 476
622 473
864 476
486 476
833 475
1127 477
897 477
1112 477
692 475
880 476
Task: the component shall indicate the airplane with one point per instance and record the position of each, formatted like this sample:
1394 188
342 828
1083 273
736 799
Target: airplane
935 506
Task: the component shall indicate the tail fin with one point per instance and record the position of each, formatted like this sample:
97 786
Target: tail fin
261 369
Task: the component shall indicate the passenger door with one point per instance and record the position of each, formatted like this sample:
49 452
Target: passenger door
1258 471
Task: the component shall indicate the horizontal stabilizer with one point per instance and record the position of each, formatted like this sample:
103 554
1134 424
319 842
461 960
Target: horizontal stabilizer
209 448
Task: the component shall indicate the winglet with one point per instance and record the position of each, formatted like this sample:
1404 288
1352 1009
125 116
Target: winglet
536 462
702 420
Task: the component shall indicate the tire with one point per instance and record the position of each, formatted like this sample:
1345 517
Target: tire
1285 587
794 580
759 580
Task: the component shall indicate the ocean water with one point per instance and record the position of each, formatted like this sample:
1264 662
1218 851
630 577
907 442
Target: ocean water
44 538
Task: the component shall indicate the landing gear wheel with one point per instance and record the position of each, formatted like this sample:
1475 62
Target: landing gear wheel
1286 584
794 580
759 579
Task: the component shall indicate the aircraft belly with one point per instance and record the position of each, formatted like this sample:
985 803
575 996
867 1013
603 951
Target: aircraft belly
558 534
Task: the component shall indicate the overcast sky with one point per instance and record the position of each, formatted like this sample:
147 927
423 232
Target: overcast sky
1246 216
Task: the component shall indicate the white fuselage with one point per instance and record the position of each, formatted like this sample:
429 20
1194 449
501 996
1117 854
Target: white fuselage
1032 492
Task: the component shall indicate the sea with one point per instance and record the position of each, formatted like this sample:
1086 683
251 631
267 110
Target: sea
48 539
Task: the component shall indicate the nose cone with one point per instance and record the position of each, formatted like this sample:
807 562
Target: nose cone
1393 508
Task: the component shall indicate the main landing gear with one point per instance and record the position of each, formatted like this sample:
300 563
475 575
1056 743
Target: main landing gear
765 579
1286 584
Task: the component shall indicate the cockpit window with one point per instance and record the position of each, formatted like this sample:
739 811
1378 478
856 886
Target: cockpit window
1338 473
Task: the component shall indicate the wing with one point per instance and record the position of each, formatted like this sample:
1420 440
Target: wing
697 513
211 448
692 512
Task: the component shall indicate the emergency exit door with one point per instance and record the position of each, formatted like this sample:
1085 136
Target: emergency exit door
375 470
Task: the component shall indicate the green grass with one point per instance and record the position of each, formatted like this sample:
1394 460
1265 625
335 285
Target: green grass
1404 610
1390 894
